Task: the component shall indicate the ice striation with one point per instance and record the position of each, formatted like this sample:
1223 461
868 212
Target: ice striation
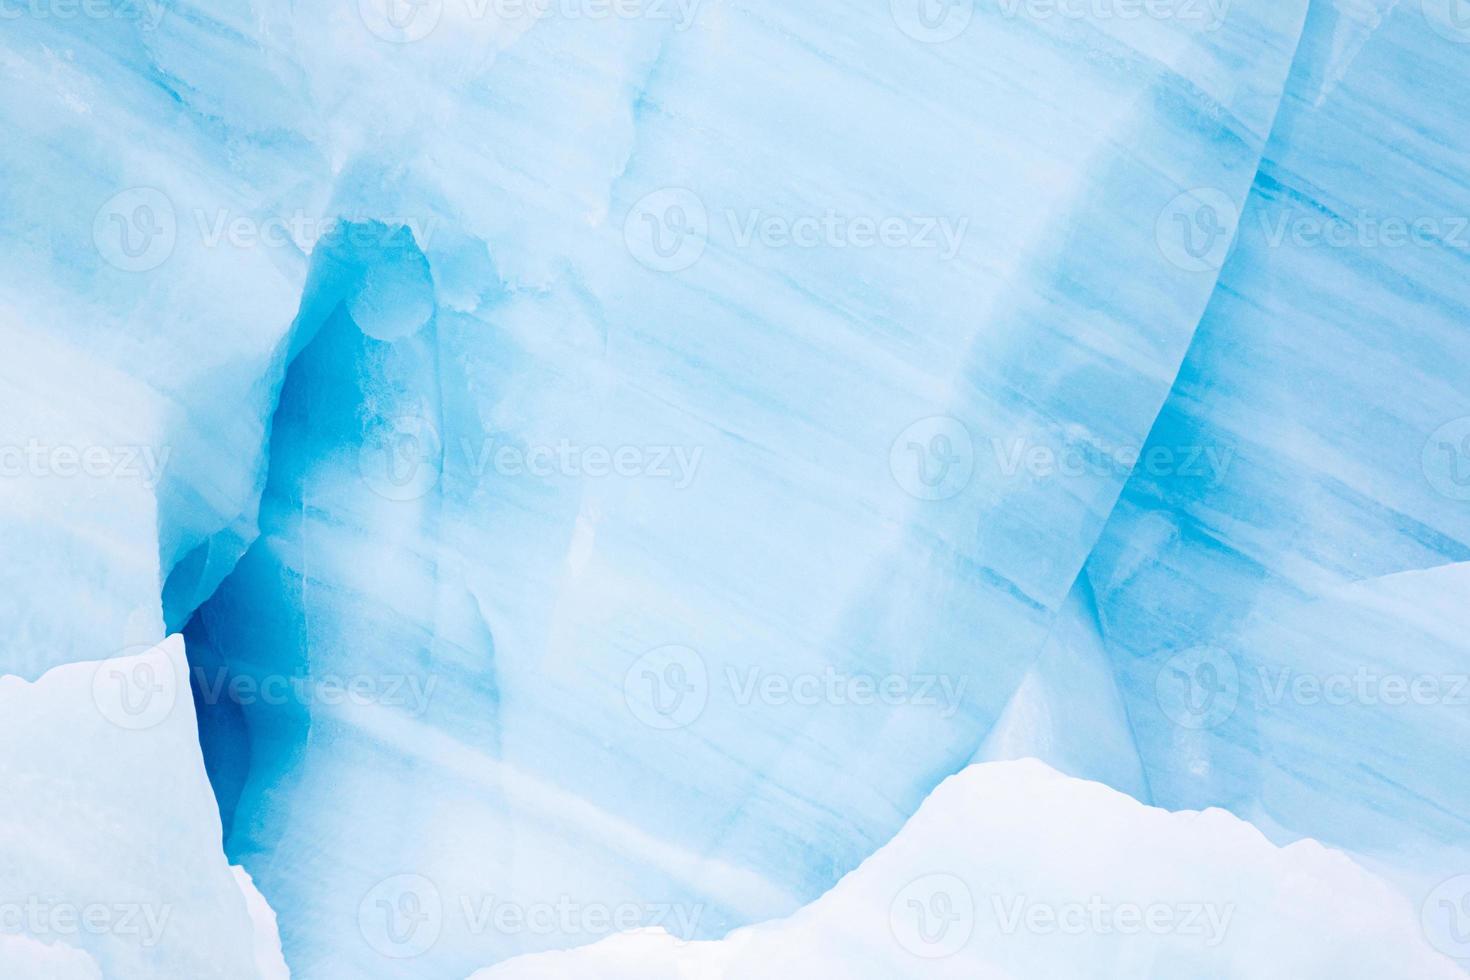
143 349
1288 631
522 416
564 491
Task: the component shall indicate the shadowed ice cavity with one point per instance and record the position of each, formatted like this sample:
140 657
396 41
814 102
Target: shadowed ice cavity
346 629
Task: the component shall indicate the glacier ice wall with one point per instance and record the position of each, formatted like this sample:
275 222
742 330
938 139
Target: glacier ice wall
632 460
564 492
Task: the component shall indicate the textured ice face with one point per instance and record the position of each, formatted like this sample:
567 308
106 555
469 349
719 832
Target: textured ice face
630 459
142 347
1287 636
622 542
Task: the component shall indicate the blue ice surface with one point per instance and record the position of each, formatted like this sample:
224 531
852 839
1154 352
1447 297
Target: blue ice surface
1289 633
791 411
523 237
128 334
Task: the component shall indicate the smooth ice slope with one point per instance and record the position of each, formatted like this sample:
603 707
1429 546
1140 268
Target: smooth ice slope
1011 870
110 864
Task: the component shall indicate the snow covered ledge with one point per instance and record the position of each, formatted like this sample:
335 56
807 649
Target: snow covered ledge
1013 870
110 858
